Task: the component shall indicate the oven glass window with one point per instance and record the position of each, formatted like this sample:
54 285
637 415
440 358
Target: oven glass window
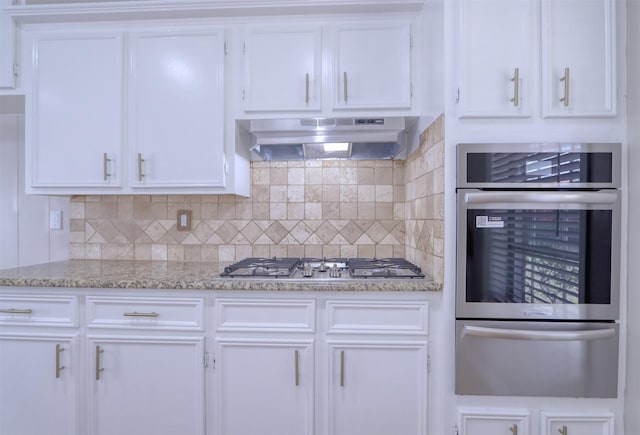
539 256
565 167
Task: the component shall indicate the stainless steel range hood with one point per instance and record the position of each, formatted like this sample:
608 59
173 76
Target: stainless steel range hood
329 138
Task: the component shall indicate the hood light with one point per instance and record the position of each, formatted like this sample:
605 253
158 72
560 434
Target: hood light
331 147
327 150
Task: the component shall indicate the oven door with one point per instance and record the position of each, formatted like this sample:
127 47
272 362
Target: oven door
538 255
550 359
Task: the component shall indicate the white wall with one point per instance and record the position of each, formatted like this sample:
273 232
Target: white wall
25 237
632 394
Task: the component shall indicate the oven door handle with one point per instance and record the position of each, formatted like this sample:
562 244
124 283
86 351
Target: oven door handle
541 197
523 334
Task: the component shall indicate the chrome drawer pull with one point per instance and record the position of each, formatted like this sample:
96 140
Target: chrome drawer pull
297 366
59 367
342 368
565 79
136 314
99 369
16 311
516 87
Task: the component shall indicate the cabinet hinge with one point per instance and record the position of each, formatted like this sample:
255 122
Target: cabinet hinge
205 360
243 94
455 430
428 363
457 95
16 69
244 48
410 41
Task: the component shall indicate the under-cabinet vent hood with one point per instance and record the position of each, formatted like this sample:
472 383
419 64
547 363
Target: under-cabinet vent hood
329 138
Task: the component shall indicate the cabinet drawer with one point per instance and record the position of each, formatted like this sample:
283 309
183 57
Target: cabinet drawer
39 310
145 313
265 315
377 317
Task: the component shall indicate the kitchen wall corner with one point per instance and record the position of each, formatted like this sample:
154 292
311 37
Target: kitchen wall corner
424 206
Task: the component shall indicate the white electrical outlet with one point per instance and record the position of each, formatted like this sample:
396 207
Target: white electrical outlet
183 220
55 219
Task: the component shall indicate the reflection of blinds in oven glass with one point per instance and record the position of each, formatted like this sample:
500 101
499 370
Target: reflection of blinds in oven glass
535 258
537 167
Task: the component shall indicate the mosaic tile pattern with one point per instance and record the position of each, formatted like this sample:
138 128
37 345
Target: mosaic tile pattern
330 208
298 209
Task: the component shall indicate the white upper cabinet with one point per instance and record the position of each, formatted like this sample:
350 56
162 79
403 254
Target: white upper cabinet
74 127
283 68
578 58
328 68
7 47
496 47
372 66
176 103
501 75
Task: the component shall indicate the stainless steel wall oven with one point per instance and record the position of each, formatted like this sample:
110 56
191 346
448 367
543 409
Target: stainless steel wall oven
537 269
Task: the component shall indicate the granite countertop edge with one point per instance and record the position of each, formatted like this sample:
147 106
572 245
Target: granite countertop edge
120 274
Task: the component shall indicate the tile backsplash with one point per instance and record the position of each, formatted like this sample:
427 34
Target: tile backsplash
314 209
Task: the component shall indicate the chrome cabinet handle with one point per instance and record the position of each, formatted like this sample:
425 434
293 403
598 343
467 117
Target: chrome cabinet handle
296 356
16 311
105 166
541 197
99 369
345 85
516 87
564 430
514 429
306 88
524 334
342 368
140 173
136 314
565 79
59 366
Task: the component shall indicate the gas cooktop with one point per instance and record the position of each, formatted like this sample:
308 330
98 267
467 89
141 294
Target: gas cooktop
322 268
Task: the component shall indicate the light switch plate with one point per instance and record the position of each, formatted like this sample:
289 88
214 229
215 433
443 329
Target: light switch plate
55 219
183 220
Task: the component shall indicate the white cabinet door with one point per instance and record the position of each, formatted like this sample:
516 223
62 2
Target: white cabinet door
377 388
146 385
176 103
580 423
75 116
264 387
283 68
7 47
38 375
495 48
578 58
495 422
372 66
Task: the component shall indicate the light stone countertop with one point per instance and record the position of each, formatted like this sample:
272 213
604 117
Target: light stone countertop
183 275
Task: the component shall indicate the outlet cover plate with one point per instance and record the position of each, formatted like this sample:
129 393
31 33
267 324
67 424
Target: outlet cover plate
183 222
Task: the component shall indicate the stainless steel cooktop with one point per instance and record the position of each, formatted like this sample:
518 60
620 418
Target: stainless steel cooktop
322 268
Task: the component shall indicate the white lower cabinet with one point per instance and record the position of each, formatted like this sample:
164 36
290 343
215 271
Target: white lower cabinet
40 365
146 385
377 365
145 365
39 378
493 422
377 387
264 386
576 423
